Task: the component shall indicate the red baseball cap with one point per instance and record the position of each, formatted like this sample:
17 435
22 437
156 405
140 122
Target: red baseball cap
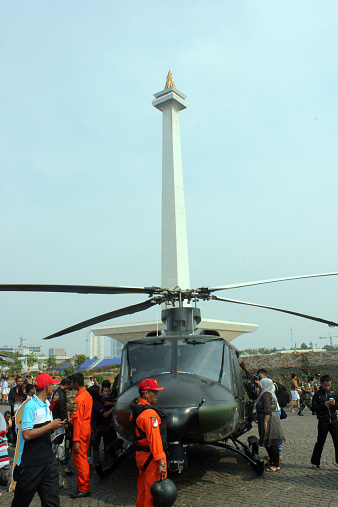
149 384
44 380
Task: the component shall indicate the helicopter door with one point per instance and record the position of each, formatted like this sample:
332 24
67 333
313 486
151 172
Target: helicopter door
236 376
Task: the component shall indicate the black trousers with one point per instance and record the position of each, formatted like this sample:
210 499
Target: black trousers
43 479
323 429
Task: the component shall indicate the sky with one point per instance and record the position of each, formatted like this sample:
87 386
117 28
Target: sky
80 158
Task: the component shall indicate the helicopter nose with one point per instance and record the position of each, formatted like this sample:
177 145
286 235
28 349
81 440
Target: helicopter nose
182 422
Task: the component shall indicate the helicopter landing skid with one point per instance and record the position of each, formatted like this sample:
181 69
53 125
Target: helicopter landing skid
249 452
107 470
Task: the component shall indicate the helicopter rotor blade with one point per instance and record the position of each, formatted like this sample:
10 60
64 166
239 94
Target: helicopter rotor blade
78 289
261 282
139 307
317 319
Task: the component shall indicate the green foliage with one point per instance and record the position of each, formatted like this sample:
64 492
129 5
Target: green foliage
15 368
303 346
79 359
31 360
330 348
68 371
51 362
99 378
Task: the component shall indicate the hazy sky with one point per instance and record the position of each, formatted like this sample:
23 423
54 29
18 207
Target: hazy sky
81 157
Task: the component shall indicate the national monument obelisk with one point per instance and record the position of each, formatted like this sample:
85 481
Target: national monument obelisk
175 263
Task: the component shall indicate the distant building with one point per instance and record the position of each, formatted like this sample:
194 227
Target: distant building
94 346
30 349
116 348
41 361
6 348
23 351
57 351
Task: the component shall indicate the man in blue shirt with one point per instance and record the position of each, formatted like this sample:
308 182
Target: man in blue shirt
36 468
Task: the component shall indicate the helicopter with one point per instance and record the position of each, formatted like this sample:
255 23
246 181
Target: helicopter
206 396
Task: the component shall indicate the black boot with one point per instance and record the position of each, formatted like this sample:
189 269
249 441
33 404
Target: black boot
80 494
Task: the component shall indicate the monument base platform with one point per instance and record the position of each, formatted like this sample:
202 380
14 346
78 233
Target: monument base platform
126 332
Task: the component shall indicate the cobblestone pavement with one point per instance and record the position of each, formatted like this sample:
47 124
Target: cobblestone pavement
217 477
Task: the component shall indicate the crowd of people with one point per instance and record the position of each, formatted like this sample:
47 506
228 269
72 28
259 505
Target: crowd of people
41 407
83 423
315 393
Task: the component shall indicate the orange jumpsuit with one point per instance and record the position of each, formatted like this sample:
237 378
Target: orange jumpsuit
82 413
148 421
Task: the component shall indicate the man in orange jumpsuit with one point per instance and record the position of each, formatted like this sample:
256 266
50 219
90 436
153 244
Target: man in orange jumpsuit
82 412
150 456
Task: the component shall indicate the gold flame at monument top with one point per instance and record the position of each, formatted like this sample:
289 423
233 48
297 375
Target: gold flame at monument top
170 80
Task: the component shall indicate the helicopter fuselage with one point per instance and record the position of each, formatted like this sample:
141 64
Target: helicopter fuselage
203 394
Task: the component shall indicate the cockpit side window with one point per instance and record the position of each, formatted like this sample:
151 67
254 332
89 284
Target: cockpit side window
125 378
236 376
226 374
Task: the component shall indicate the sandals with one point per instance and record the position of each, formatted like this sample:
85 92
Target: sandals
273 469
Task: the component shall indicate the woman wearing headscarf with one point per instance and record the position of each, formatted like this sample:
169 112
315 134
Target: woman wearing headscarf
270 433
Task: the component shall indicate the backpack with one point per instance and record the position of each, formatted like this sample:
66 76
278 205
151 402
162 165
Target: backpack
136 410
282 395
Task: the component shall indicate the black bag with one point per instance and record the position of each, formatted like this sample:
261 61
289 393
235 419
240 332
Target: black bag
283 396
283 414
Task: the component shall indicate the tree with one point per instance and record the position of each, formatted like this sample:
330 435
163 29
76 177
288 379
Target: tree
99 378
31 360
15 368
303 346
79 359
330 348
68 371
51 362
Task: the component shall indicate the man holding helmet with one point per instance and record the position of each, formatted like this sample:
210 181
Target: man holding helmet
149 428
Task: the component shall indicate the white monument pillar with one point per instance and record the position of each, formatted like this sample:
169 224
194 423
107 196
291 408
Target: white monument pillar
175 262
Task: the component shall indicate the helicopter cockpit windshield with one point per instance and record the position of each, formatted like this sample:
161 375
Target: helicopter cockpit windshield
207 358
143 359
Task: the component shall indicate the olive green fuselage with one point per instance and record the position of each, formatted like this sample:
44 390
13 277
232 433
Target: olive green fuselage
203 395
